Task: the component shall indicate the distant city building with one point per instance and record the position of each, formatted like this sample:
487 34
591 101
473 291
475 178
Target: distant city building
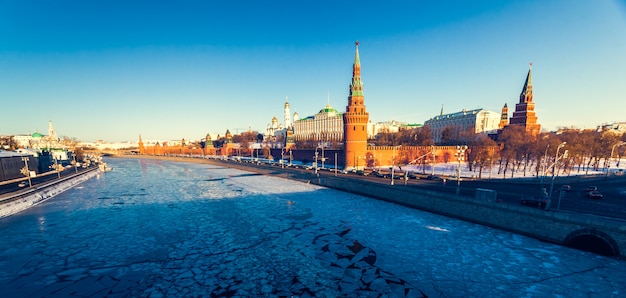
326 125
387 126
273 129
615 127
39 142
477 121
102 145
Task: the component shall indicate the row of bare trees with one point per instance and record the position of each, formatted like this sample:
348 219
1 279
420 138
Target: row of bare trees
514 151
517 151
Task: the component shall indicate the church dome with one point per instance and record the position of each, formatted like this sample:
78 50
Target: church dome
37 135
328 109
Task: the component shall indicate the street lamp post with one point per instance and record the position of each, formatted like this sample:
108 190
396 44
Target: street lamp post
75 163
491 161
460 156
556 161
393 157
545 163
282 158
26 170
335 163
56 167
315 161
374 158
608 168
432 167
316 154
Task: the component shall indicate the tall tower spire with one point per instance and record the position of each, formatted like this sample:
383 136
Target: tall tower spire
287 113
524 114
142 149
504 117
355 120
527 90
51 132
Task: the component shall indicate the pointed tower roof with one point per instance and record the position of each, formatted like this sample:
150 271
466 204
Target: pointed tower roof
51 131
357 61
356 88
208 143
527 91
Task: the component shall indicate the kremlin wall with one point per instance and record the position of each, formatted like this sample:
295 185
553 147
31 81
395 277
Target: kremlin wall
357 154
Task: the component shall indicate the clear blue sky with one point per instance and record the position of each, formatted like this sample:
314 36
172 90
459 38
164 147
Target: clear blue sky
112 70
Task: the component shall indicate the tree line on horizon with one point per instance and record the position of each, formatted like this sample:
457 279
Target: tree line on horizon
514 149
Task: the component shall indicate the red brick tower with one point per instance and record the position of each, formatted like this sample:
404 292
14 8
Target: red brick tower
504 117
355 119
524 114
142 149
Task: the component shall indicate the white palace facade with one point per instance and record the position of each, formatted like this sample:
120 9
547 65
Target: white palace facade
326 125
477 121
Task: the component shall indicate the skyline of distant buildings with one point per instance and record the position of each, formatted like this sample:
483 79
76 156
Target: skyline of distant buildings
328 124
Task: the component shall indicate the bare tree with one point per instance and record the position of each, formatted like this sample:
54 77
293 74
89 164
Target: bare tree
481 152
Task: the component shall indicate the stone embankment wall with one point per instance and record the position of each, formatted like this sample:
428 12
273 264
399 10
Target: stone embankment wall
21 201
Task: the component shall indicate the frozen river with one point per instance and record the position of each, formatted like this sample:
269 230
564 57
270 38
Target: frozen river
157 228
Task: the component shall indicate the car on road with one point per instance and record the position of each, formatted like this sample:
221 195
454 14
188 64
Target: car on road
566 188
594 194
378 174
433 177
538 201
591 188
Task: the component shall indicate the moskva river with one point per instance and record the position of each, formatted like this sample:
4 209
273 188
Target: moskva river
153 228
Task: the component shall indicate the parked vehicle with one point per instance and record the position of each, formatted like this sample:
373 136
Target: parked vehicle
433 177
537 201
594 194
378 174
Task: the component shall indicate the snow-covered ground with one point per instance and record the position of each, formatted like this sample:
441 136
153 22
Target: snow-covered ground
451 168
157 228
